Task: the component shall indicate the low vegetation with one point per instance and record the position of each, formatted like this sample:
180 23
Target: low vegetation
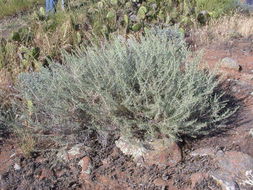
146 88
45 37
10 7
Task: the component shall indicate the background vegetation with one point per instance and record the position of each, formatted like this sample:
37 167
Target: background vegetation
45 37
10 7
150 104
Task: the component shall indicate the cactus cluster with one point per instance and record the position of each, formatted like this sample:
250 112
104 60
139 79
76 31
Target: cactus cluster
89 20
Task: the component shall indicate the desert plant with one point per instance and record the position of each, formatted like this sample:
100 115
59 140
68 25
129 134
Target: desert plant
9 7
147 87
217 7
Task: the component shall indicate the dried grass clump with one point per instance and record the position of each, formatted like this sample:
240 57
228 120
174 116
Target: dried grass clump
223 29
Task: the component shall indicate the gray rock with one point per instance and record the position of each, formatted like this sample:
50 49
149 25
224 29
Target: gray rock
203 152
230 64
233 167
86 165
225 180
62 155
76 152
161 152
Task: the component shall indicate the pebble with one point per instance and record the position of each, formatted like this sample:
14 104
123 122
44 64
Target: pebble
17 166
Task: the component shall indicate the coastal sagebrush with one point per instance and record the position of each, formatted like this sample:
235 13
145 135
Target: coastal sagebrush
147 87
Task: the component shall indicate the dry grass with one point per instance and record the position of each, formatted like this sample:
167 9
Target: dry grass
223 29
10 7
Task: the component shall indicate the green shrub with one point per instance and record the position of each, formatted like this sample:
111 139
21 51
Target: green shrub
6 111
89 20
147 88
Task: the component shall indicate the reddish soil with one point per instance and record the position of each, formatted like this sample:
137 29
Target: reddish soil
112 170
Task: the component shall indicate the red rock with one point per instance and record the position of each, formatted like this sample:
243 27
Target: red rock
84 177
46 174
86 165
197 177
108 183
165 153
160 182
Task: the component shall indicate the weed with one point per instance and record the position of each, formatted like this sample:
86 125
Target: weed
216 8
10 7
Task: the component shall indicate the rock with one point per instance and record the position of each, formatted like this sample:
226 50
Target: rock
46 174
86 165
197 177
17 166
230 64
76 152
225 180
235 162
159 182
231 165
203 152
62 155
251 132
134 149
161 152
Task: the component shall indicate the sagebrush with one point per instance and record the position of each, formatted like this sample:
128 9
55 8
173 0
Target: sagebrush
146 88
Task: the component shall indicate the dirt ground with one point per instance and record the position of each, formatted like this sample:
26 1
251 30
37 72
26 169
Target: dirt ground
111 170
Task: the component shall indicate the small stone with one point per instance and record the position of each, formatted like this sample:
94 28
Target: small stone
159 182
46 174
230 64
203 152
165 176
62 155
160 152
220 153
86 165
17 166
251 132
75 152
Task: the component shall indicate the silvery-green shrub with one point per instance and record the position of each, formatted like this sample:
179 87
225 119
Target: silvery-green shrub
146 87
